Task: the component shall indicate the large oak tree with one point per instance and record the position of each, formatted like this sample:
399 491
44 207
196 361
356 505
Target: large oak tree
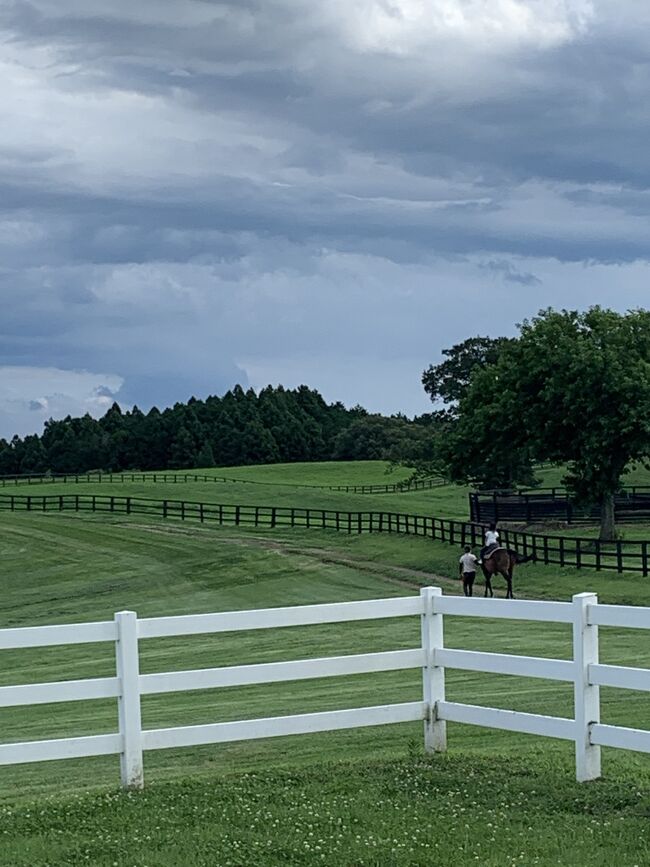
574 388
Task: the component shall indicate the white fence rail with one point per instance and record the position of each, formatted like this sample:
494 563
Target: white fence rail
584 671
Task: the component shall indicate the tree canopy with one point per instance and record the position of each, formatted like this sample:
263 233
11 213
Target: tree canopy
575 388
448 381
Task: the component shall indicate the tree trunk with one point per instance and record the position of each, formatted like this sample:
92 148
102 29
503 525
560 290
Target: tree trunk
607 519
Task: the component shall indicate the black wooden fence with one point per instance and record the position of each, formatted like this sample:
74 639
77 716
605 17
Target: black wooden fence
554 504
173 478
621 556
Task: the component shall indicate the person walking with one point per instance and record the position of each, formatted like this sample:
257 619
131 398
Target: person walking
467 567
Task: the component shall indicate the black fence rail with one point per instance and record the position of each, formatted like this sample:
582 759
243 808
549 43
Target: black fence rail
554 504
621 556
173 478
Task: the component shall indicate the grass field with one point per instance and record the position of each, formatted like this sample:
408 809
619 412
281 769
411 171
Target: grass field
285 485
552 476
323 473
456 810
363 797
281 485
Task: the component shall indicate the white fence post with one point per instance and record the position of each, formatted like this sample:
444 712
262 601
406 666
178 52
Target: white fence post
128 671
433 676
587 695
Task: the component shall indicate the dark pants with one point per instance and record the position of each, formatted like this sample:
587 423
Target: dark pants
468 582
488 549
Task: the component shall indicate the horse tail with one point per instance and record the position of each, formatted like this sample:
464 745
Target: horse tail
519 558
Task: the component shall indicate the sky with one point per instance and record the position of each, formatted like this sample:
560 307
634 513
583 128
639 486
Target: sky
198 193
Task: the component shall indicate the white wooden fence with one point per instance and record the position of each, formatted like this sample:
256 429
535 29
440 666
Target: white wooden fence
125 631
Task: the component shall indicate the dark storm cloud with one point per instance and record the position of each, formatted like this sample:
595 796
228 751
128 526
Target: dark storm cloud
511 274
197 193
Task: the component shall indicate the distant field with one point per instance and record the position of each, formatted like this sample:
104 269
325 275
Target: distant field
552 476
322 473
282 485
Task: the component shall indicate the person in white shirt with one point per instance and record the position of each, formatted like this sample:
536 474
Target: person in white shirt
467 567
491 541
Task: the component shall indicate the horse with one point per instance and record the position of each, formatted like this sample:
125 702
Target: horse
501 562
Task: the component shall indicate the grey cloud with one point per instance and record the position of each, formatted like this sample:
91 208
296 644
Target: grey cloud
104 391
508 271
191 190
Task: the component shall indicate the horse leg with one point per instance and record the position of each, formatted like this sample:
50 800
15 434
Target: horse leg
511 572
508 576
488 583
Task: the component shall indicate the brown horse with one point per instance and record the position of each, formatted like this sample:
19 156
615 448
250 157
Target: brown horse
501 562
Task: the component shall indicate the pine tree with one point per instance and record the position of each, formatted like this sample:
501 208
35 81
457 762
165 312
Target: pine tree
205 457
183 454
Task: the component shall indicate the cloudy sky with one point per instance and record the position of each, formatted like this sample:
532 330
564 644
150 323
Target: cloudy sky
197 193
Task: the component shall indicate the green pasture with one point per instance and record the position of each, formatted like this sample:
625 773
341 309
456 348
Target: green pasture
492 810
288 485
362 797
449 501
551 476
318 473
67 568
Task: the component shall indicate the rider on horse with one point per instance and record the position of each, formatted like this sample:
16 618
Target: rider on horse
491 541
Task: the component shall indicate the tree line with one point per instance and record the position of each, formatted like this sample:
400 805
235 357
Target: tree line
276 425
